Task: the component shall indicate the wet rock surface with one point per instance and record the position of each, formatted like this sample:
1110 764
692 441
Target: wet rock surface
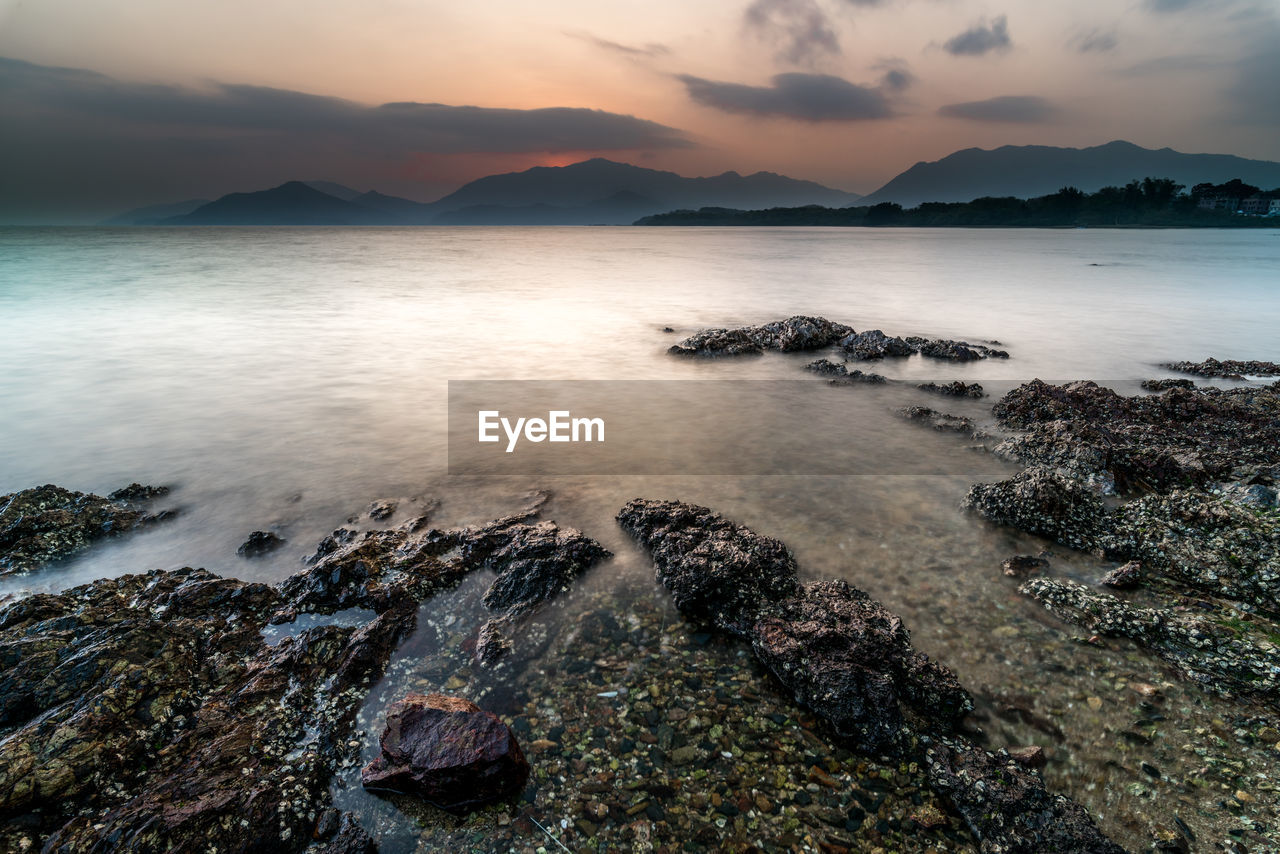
1228 656
943 422
259 543
1230 369
146 713
1044 501
1166 384
841 375
849 659
1180 438
1006 804
448 752
790 335
716 570
1020 566
959 351
954 389
47 523
873 344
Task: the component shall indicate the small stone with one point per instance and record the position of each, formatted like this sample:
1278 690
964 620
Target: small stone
1124 577
1031 756
1095 703
259 543
1020 566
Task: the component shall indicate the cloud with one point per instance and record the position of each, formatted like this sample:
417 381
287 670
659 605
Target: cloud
806 97
649 50
895 75
1171 5
1027 109
980 39
800 28
1096 41
1173 64
77 138
1254 93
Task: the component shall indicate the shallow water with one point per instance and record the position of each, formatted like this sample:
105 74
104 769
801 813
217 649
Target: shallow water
282 379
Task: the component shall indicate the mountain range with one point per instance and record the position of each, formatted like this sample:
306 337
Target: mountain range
1036 170
604 192
593 192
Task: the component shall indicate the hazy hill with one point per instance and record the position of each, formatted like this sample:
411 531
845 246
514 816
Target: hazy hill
293 203
620 193
1036 170
153 214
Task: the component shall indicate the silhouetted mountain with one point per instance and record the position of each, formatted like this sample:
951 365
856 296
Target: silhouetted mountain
605 192
594 192
338 191
154 214
1036 170
294 203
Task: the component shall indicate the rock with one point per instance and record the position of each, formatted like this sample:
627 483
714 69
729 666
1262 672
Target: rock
873 344
827 367
1020 566
348 838
534 561
1230 369
1165 385
259 543
1181 438
1031 756
667 329
848 658
790 335
1124 577
491 643
953 389
959 351
1007 806
1210 651
382 510
138 492
1043 501
448 752
47 523
163 685
1253 495
857 377
716 570
940 421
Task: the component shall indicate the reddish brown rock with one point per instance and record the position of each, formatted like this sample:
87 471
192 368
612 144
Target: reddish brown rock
447 751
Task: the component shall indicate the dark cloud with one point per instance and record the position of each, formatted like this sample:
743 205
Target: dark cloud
1006 108
650 50
1096 41
980 39
895 76
800 28
79 136
807 97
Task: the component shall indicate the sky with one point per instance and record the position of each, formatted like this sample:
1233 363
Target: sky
111 104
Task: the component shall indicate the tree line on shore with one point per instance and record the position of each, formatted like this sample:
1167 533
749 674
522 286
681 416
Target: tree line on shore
1151 202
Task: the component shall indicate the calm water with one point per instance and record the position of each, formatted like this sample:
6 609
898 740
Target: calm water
286 378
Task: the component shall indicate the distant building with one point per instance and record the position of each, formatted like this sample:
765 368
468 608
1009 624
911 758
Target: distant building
1219 203
1255 206
1274 208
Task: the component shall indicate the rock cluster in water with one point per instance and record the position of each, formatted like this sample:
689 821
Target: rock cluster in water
954 389
1199 467
1230 369
47 523
848 658
790 335
149 713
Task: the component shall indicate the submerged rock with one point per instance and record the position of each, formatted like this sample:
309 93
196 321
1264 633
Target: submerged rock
1166 384
148 713
790 335
1020 566
448 752
1218 651
847 657
959 351
941 421
1007 806
1043 501
954 389
716 570
259 543
1230 369
49 523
